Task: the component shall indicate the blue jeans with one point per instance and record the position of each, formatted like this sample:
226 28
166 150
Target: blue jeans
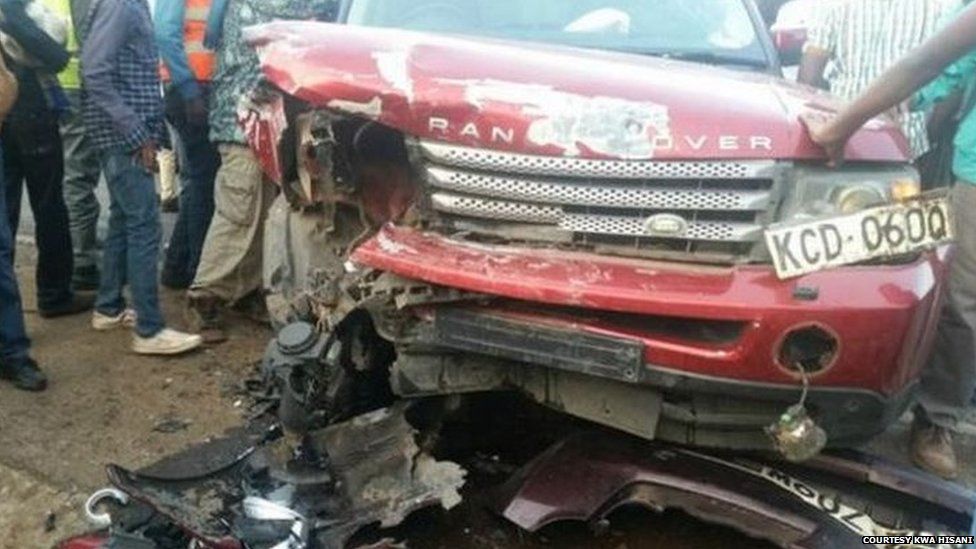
132 245
13 335
199 160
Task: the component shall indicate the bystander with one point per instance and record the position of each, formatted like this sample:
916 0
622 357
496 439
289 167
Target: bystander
33 156
862 38
180 29
81 171
949 379
123 114
16 364
230 266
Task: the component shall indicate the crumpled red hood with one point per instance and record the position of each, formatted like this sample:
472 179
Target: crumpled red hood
549 100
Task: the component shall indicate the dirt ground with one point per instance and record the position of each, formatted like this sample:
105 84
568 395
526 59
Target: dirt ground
107 405
104 405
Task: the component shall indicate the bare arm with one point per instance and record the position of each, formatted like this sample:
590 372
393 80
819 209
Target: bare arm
897 84
812 66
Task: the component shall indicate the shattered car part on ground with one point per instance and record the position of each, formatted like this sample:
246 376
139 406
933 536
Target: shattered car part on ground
255 490
833 501
585 476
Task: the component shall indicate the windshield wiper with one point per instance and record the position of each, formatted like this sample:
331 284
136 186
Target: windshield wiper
709 57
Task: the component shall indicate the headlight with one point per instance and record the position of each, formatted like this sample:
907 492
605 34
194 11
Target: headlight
822 192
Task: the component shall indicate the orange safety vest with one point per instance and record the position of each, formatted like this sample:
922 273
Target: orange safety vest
202 61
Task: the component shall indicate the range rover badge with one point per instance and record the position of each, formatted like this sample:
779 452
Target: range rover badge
668 225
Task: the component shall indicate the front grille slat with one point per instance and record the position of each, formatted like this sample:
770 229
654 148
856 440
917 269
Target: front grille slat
611 194
711 207
500 161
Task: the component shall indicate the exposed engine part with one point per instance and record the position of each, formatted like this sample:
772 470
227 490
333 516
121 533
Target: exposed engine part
368 470
327 378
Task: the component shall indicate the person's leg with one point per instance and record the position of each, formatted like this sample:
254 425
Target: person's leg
43 171
13 175
131 253
15 362
200 160
14 343
230 265
81 173
134 195
949 379
110 301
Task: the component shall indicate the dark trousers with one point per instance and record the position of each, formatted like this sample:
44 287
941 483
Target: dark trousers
198 159
33 159
13 336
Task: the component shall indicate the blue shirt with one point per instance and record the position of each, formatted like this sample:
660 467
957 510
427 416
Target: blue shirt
170 15
119 65
957 78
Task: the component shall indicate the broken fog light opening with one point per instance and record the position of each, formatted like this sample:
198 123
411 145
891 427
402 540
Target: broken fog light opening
808 350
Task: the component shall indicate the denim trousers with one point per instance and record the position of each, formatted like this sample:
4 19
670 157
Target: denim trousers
198 160
131 248
81 173
13 335
33 159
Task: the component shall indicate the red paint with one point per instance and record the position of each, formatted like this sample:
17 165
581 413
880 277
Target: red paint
337 66
883 314
87 541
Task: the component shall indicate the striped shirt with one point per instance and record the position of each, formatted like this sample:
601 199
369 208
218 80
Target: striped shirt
865 37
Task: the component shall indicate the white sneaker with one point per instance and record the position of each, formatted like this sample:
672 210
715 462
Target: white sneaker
166 342
104 323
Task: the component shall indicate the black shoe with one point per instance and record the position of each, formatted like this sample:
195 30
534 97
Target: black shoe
24 374
85 279
77 304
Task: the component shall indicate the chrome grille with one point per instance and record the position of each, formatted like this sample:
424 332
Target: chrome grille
601 202
488 160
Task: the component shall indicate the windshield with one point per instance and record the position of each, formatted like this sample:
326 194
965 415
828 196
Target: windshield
719 31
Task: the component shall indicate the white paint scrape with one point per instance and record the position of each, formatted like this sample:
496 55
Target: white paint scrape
371 109
393 67
605 125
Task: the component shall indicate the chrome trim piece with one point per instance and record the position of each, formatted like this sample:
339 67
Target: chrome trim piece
627 194
585 223
722 231
495 209
500 161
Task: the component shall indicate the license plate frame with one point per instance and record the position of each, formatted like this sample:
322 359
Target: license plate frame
889 230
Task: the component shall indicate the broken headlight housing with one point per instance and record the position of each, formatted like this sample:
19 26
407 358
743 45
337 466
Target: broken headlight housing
818 191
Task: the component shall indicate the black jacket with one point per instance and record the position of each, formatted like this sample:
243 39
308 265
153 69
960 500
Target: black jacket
33 99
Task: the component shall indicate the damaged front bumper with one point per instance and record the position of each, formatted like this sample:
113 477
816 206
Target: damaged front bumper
705 350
